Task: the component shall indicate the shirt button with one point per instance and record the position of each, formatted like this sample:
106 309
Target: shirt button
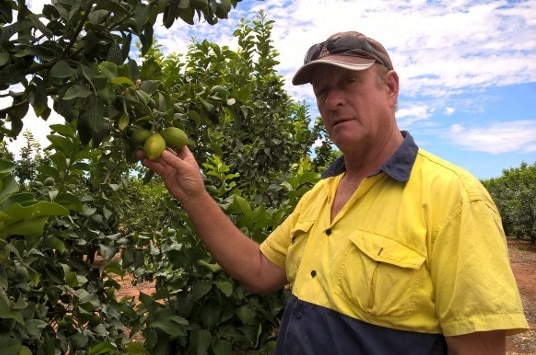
313 273
328 231
298 315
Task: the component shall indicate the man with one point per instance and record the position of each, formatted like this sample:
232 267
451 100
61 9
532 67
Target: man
394 251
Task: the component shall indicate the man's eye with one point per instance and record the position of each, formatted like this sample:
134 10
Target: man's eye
319 91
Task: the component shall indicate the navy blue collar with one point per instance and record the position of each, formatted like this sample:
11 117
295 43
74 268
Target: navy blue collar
398 166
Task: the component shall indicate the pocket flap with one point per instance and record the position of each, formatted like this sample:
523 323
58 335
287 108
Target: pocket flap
299 228
386 250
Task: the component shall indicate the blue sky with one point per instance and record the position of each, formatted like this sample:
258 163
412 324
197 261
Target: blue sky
467 68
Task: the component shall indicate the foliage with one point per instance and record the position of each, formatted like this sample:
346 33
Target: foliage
54 297
204 310
197 308
233 104
515 195
68 211
78 53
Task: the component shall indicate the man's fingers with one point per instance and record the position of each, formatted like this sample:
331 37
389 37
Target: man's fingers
168 160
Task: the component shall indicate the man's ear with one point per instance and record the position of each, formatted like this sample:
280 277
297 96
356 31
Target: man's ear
392 84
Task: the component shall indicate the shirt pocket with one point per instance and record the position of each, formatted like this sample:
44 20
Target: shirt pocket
381 276
298 241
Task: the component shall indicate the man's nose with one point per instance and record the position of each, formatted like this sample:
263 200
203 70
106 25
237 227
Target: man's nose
334 99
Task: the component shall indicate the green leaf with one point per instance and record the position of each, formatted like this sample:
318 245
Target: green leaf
22 198
114 267
210 313
6 309
29 220
187 15
9 344
64 129
102 348
243 205
71 280
88 72
38 97
8 186
69 201
6 167
171 12
109 69
123 122
35 326
246 314
225 286
135 348
62 70
123 81
172 325
92 124
38 209
4 58
76 91
61 143
53 242
79 340
200 341
201 288
221 347
107 93
32 226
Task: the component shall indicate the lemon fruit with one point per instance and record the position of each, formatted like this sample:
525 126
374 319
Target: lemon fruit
140 135
175 137
24 350
153 146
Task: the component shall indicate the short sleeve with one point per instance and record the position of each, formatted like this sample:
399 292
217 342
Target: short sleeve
475 288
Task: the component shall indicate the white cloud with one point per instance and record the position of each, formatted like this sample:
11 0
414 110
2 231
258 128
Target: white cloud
449 110
438 47
499 137
441 50
413 113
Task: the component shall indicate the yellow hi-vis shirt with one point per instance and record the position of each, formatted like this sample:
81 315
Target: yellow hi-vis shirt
427 254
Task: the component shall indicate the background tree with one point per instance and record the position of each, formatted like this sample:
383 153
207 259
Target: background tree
254 186
514 192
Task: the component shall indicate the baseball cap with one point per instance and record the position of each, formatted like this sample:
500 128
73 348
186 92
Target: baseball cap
350 50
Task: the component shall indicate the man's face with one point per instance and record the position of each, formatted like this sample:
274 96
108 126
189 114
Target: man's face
356 110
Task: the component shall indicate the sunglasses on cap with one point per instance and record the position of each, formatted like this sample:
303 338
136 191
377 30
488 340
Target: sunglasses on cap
351 45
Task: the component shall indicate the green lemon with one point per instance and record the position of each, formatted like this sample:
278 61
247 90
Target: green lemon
154 146
24 350
140 135
175 137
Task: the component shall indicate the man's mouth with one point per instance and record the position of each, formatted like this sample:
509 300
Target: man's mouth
339 121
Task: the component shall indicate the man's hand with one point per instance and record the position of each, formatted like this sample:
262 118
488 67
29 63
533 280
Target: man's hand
179 171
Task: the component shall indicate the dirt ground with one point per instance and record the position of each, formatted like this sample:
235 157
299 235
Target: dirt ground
523 260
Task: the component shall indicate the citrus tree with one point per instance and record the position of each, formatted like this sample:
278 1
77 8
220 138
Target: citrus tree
514 192
253 154
69 52
71 211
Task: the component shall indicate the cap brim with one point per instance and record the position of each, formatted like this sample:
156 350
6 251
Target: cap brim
303 75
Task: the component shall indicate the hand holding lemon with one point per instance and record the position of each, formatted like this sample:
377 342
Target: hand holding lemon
154 143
